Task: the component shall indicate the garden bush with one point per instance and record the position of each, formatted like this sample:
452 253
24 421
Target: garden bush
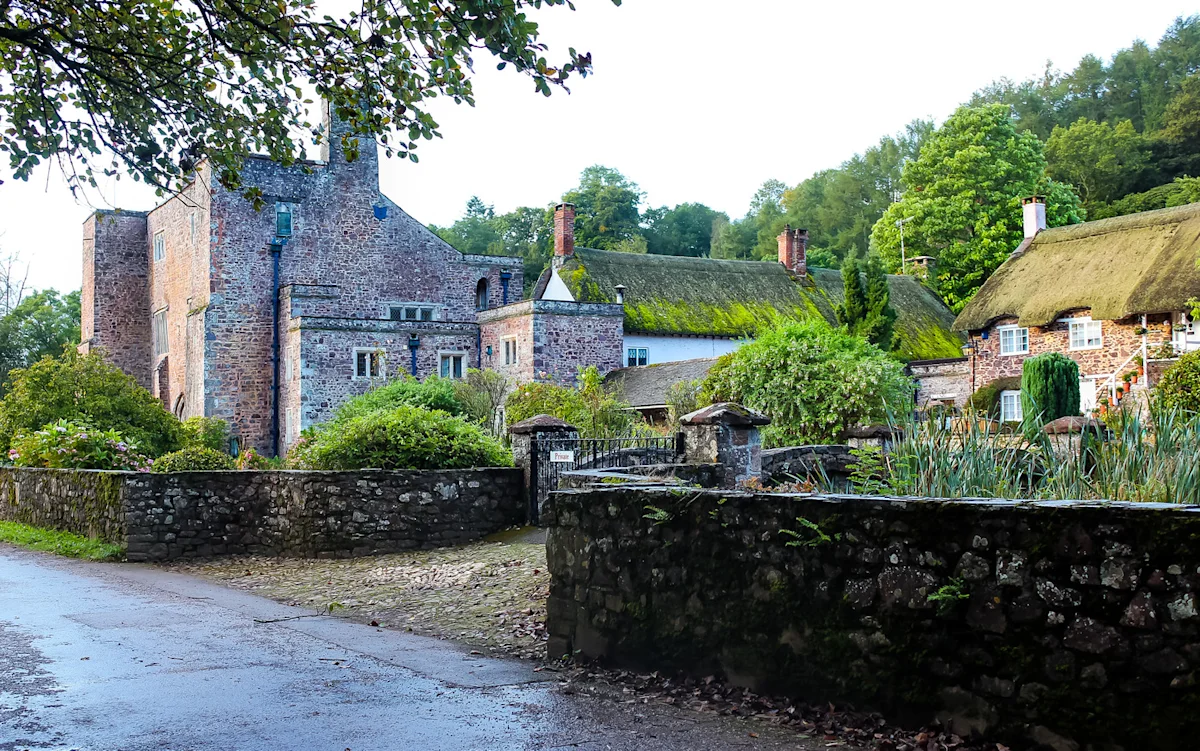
814 381
193 459
68 445
432 393
986 400
86 389
1049 387
403 438
1179 388
250 459
208 432
593 409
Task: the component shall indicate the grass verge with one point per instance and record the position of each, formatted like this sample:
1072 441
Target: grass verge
59 543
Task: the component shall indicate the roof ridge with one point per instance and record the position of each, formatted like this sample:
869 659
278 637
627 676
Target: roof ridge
1168 215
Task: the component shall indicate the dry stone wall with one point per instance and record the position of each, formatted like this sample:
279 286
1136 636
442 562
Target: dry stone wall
1075 622
302 514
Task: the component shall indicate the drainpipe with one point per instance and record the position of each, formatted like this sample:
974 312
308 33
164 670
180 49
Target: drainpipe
276 250
1145 352
414 343
504 277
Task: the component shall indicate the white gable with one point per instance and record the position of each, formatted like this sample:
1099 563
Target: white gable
556 289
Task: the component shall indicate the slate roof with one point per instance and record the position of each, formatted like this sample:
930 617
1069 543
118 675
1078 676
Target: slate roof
1127 265
646 385
678 295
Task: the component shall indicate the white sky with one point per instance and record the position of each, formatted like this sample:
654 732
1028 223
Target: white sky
695 100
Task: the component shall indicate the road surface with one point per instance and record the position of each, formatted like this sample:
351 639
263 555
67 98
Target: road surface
100 657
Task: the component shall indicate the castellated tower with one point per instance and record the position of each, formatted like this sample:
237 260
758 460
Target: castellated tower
115 297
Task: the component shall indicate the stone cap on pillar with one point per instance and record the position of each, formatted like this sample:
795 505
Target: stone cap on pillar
1075 425
542 424
725 413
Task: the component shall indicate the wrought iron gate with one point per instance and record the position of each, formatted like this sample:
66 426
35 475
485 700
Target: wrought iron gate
551 456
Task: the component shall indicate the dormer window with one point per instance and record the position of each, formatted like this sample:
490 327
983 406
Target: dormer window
283 220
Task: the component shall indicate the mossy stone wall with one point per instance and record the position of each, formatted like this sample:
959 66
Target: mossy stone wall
1024 621
85 502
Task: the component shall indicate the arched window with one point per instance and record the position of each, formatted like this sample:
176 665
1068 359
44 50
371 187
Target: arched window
481 295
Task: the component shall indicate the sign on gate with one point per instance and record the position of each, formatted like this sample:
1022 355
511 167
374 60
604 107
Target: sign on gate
562 457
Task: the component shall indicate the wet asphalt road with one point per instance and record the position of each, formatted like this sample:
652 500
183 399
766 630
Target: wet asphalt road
100 657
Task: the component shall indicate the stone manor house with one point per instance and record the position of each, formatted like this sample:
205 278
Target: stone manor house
270 319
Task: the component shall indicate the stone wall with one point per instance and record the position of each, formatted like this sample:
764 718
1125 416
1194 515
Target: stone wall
808 463
303 514
115 297
945 382
1120 341
1046 622
568 336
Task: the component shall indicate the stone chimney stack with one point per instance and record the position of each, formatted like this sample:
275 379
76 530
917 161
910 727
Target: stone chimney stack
1034 208
793 250
564 232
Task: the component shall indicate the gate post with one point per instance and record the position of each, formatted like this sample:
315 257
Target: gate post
726 434
528 440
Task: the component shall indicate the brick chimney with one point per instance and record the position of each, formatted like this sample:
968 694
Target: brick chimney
564 232
793 250
1034 208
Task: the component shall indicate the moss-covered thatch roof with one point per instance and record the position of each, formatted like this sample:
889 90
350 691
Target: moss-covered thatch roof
1140 263
691 296
677 295
922 320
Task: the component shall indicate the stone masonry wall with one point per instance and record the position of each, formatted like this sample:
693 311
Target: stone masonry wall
303 514
516 321
567 336
1046 622
1120 341
115 298
942 381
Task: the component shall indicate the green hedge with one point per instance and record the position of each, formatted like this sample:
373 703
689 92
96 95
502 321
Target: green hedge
193 459
1179 388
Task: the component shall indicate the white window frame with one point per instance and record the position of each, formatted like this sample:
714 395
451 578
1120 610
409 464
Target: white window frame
1015 331
159 337
1017 413
1085 324
448 355
511 356
160 245
435 311
376 363
635 354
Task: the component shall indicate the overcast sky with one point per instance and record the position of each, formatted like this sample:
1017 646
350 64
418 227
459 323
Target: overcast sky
695 100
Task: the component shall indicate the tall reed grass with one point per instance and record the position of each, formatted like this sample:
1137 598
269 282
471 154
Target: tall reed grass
1149 455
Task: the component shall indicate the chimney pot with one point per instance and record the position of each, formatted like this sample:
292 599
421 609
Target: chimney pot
1034 210
564 231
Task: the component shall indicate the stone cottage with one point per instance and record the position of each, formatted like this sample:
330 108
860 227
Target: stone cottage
623 310
271 318
1111 295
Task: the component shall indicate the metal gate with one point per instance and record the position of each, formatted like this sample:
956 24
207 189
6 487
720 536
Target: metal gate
551 456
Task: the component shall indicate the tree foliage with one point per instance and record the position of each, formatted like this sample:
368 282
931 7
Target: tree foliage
963 194
815 382
41 324
89 390
1179 388
1049 387
1102 161
595 410
161 84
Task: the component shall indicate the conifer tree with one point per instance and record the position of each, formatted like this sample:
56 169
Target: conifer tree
854 305
879 324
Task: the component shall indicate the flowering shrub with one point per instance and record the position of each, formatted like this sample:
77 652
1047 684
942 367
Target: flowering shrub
250 459
69 445
193 459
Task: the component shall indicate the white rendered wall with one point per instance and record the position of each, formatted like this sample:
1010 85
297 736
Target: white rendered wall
675 348
556 289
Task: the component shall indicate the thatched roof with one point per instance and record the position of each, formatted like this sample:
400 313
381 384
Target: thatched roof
678 295
1127 265
647 385
690 296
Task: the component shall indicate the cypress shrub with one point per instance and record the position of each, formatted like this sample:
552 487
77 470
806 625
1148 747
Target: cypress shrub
1049 387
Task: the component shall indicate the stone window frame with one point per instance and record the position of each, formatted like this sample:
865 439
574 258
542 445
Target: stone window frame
1017 413
160 245
511 352
637 356
376 363
1084 322
436 310
1014 329
160 339
452 353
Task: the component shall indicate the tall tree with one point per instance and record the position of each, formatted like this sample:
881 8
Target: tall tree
42 324
1102 162
963 194
853 308
686 230
879 324
606 208
160 84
